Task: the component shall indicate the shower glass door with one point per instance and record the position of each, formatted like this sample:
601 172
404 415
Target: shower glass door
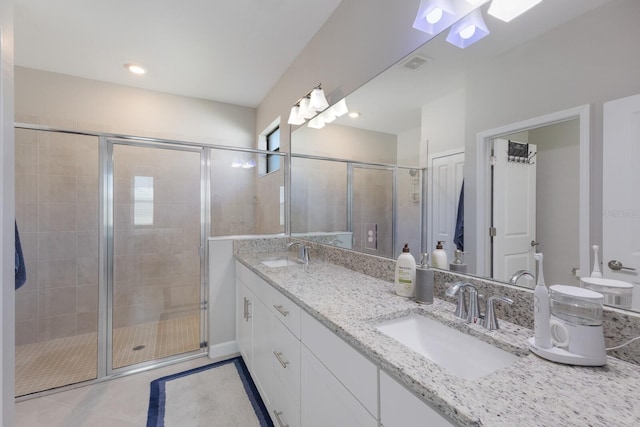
156 297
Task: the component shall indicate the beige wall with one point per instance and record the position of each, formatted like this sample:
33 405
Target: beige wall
53 99
343 142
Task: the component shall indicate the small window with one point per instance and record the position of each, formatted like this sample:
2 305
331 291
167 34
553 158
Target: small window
143 200
273 144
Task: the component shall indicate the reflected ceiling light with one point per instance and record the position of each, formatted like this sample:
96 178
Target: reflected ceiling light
317 122
434 16
506 10
354 114
468 30
341 108
135 69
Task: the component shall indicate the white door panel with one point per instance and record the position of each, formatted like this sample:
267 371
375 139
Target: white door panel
514 213
621 180
447 173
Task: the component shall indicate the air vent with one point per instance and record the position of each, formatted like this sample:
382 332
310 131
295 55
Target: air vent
415 62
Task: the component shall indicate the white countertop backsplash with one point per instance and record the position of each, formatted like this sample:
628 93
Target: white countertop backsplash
531 392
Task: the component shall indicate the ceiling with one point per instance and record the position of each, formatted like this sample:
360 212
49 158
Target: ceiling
231 51
405 91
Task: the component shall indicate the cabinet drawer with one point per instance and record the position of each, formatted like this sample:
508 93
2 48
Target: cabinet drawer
285 310
352 369
286 357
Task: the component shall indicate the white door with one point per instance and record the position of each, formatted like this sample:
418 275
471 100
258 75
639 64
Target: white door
621 202
447 173
514 212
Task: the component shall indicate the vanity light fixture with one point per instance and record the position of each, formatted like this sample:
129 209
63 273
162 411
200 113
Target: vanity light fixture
317 122
434 16
307 106
468 30
506 10
135 69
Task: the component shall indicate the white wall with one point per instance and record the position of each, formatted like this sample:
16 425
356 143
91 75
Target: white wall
443 122
409 148
7 215
590 60
60 100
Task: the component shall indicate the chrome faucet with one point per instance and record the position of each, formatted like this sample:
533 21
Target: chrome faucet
518 274
490 320
471 312
303 251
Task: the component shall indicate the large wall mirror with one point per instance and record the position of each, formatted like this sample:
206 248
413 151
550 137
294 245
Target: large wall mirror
431 113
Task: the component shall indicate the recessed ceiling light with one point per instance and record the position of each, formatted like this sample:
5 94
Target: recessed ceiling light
135 69
354 114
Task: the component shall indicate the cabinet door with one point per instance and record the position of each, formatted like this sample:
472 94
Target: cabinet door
243 323
401 408
262 350
325 401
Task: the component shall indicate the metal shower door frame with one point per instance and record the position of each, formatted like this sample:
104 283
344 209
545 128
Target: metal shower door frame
106 284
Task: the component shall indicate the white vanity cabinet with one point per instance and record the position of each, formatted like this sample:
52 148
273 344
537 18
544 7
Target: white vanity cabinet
401 408
339 386
264 323
310 377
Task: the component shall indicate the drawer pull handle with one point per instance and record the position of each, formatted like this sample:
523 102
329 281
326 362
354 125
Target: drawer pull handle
281 310
280 359
280 423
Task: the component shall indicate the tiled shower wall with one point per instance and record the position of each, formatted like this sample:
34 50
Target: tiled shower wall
57 216
157 266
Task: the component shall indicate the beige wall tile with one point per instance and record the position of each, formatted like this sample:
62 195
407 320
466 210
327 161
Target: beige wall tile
87 301
88 243
56 274
57 246
57 217
88 271
57 327
87 323
57 188
56 302
56 154
26 305
26 332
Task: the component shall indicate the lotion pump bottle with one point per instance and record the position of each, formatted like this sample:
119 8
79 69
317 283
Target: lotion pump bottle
439 257
541 314
406 273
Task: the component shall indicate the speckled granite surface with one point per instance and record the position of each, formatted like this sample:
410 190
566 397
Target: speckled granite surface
531 392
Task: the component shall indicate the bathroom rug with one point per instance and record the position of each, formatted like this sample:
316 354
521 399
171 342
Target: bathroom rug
219 394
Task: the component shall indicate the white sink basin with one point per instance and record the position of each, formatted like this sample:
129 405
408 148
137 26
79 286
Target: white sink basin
462 355
282 262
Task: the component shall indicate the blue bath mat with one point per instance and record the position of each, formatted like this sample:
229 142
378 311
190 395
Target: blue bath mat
219 394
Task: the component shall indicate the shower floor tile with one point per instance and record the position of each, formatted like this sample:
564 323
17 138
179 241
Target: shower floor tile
56 363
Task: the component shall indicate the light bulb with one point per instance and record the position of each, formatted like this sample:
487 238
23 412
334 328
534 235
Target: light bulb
434 16
468 32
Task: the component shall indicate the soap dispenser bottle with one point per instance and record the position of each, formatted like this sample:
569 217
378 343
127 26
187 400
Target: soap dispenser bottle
439 257
541 309
406 273
458 262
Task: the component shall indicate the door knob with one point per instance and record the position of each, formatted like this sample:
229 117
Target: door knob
534 243
617 265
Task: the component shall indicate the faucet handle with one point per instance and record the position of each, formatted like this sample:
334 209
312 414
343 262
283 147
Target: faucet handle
490 320
461 302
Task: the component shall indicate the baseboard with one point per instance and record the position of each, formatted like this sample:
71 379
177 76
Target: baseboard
224 350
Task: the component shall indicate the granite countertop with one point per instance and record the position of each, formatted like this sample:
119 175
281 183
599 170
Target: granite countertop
530 392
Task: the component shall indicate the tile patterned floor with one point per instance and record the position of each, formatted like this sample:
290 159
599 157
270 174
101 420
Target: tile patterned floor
59 362
122 402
